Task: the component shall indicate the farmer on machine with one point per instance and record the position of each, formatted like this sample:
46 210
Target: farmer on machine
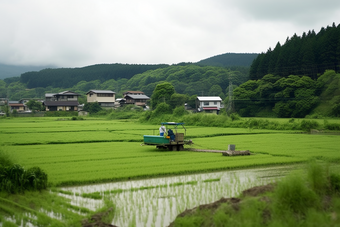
162 130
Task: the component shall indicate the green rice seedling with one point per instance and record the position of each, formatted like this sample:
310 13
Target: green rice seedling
212 180
62 191
93 195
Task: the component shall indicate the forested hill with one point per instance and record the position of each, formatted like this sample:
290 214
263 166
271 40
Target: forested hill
68 77
310 55
229 59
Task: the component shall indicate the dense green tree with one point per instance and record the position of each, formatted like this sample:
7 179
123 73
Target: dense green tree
191 102
92 107
310 55
68 77
3 89
162 93
162 108
178 100
294 96
34 105
215 90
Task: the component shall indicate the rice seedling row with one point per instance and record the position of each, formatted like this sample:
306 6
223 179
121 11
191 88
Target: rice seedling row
157 204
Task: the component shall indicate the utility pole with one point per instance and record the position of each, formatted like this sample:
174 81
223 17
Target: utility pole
230 106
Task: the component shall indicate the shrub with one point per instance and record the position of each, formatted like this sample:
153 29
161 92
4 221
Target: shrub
61 113
126 112
162 108
92 107
5 158
180 111
15 178
317 177
332 126
335 182
235 116
307 125
293 195
77 118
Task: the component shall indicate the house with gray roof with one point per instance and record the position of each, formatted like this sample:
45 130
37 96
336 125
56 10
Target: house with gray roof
62 101
138 100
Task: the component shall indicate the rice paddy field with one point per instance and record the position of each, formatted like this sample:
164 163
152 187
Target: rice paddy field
78 155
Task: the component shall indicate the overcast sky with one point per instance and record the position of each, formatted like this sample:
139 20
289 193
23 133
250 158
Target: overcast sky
76 33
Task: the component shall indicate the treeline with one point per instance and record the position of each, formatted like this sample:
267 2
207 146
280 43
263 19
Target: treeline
187 79
229 59
68 77
292 96
309 55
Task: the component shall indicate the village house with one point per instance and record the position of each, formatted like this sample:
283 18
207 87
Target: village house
133 93
209 104
105 98
16 105
137 98
63 101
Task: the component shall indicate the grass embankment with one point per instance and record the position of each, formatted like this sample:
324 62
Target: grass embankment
234 121
311 199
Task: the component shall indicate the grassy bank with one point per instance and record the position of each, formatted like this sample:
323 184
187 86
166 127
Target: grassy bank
301 199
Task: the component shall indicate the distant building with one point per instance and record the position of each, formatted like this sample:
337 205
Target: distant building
138 100
62 101
105 98
209 104
133 93
16 105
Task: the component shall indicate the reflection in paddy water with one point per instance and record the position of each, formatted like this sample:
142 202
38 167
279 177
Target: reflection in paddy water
166 197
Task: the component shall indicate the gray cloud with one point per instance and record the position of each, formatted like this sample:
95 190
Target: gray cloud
83 32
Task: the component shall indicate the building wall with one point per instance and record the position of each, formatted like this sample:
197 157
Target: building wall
210 104
61 108
67 98
99 98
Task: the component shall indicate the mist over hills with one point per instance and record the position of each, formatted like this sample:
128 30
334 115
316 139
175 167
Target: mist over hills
7 71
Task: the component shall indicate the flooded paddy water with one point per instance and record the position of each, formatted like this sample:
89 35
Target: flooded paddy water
157 201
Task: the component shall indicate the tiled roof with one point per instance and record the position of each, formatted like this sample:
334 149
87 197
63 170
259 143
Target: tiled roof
133 92
61 103
16 104
138 96
102 91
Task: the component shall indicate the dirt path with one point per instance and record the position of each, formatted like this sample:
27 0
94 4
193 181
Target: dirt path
96 220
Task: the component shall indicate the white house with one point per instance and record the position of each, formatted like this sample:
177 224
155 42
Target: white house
105 98
209 104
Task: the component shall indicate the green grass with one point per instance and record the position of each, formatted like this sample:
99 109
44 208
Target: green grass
90 151
293 202
99 150
290 145
35 207
69 164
